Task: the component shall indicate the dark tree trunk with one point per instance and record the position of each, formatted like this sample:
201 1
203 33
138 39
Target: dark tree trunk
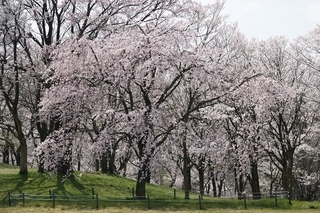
41 167
236 184
18 156
286 176
65 163
141 185
64 167
79 165
201 180
143 171
97 165
123 164
13 156
45 129
141 181
104 163
186 172
5 155
214 184
220 187
239 183
290 175
23 157
112 167
255 186
148 175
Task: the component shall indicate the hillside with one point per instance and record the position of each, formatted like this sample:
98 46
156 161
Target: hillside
105 185
113 191
108 187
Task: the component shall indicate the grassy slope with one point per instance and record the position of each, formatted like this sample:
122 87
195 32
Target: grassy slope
112 188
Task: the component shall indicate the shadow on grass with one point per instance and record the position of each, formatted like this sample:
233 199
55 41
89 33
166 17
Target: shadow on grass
21 183
62 190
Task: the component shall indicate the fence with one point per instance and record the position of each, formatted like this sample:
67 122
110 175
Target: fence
52 198
94 200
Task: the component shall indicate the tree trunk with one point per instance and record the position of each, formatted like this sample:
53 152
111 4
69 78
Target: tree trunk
148 175
5 155
79 165
64 167
23 157
214 184
112 167
13 156
143 172
141 185
220 187
97 165
290 176
284 176
255 186
201 180
65 163
239 183
141 181
236 184
123 164
41 167
104 164
186 171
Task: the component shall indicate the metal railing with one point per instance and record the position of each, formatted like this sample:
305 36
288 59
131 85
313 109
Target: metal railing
95 201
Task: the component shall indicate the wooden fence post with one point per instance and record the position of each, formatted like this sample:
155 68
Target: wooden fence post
200 204
92 192
174 193
276 199
23 200
97 201
53 201
149 207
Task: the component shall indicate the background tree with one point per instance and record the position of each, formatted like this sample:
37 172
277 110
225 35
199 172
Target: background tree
290 115
14 75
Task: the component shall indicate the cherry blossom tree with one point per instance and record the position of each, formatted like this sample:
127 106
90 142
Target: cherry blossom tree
306 170
290 116
98 83
219 47
132 70
146 64
56 21
244 129
243 124
306 52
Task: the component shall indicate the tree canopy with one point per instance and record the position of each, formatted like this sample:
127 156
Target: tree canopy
160 91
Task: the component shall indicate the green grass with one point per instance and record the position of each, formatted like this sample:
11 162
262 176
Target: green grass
115 195
126 210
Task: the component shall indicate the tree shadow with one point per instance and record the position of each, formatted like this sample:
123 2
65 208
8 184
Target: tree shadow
62 180
21 183
76 184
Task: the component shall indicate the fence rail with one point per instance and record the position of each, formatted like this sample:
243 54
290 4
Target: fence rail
95 200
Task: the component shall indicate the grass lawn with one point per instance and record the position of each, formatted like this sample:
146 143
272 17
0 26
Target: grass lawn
115 195
127 210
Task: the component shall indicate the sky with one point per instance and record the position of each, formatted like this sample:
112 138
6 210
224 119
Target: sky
262 19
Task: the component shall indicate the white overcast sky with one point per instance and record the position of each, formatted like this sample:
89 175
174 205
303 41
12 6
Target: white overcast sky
265 18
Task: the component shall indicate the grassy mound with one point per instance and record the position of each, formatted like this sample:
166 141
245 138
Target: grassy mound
76 192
